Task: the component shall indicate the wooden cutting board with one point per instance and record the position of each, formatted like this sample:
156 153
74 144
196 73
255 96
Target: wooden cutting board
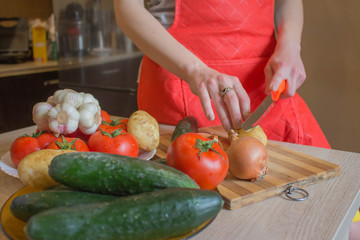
285 167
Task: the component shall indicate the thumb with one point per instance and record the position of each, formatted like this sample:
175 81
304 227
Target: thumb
276 80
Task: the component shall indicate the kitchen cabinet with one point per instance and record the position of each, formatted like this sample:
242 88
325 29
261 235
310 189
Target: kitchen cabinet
19 93
112 80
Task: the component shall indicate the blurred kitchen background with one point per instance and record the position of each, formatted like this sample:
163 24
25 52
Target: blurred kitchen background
84 51
93 55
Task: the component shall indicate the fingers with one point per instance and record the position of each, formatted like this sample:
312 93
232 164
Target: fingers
220 106
277 78
244 101
276 72
233 106
206 103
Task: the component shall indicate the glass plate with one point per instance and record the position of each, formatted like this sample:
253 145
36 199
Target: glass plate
14 228
7 166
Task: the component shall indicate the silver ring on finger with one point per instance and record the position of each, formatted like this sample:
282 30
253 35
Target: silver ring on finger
225 90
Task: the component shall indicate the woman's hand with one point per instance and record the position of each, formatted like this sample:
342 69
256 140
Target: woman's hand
285 63
232 107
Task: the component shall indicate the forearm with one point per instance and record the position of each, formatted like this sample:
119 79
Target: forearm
289 21
154 40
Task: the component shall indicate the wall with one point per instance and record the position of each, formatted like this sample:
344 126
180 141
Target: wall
331 54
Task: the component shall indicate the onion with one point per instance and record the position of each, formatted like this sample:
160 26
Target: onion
256 132
247 158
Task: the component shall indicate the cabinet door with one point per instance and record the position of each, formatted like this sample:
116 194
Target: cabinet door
19 94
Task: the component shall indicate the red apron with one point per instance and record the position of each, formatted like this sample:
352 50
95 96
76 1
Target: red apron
237 38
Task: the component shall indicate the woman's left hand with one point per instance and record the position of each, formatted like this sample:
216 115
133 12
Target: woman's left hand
285 63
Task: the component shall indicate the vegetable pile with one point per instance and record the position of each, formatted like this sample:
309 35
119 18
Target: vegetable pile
71 120
90 163
95 186
109 196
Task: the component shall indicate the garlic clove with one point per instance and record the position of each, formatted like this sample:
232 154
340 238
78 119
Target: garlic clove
73 98
89 98
72 125
40 115
59 95
50 100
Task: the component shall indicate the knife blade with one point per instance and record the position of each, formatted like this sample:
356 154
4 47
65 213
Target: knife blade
264 107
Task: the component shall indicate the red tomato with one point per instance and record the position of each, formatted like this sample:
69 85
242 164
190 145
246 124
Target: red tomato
124 123
113 125
25 145
45 139
78 134
65 143
200 158
105 116
116 143
73 135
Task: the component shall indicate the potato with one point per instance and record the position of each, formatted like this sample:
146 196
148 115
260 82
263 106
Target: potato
33 168
145 129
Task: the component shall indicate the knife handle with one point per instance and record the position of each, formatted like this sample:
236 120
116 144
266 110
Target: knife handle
276 94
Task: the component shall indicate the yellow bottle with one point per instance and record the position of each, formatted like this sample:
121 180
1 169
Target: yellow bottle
39 44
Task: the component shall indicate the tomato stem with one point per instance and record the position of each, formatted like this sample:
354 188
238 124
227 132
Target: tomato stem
66 145
115 133
205 146
113 123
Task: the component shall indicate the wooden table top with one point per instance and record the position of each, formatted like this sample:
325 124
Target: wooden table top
327 214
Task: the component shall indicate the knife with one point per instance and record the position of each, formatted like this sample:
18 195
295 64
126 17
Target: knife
264 107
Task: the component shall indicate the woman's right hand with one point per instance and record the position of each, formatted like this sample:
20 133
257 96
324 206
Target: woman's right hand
232 108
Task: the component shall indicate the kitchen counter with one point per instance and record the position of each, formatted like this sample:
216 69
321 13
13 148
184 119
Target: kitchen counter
29 67
327 213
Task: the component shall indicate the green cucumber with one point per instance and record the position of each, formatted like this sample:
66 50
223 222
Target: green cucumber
115 174
160 160
186 125
61 187
153 215
27 205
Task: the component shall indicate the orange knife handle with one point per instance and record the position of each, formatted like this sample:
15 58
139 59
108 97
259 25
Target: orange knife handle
275 95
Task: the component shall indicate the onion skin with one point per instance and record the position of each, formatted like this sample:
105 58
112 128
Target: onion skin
256 132
248 158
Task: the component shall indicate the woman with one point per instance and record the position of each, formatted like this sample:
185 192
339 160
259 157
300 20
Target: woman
218 60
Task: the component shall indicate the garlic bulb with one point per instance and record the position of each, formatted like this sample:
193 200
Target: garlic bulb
63 118
40 115
60 113
90 118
